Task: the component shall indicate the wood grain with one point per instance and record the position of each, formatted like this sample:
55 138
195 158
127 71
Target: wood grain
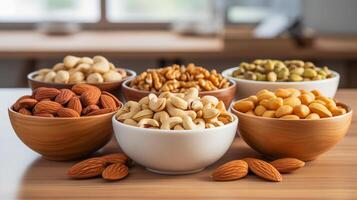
302 139
63 138
25 175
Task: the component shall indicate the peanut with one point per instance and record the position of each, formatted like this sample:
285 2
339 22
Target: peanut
284 110
244 106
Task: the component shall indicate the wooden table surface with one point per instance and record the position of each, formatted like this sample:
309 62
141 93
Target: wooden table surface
25 175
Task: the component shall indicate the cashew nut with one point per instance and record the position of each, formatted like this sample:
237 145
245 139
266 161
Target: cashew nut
130 122
143 114
171 122
209 100
161 116
148 123
175 112
156 104
210 113
178 102
178 127
196 105
133 107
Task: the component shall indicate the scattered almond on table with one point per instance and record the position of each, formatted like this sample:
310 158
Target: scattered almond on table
272 171
111 167
81 100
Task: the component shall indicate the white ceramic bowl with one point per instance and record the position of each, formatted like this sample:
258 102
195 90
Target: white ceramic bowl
174 151
245 88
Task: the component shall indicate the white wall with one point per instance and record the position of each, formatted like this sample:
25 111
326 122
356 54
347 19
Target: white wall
331 16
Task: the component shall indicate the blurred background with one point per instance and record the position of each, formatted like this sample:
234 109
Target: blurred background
140 34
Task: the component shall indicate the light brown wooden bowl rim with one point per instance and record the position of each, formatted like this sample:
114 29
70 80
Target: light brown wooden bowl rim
203 93
31 76
63 118
349 112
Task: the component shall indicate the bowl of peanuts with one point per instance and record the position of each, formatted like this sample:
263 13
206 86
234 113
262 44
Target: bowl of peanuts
178 79
175 133
292 123
64 124
275 74
97 71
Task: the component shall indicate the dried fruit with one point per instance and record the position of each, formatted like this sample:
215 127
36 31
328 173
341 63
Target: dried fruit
24 111
232 170
28 103
87 168
107 101
47 107
43 115
44 93
16 105
75 104
100 111
90 109
80 88
64 96
115 158
67 112
287 165
115 172
263 169
117 102
90 97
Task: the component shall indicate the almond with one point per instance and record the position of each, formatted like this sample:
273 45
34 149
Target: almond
75 104
263 169
67 112
87 168
115 158
44 115
232 170
115 172
107 101
100 111
44 93
28 103
117 102
82 87
24 111
47 107
90 97
89 109
287 165
64 96
17 106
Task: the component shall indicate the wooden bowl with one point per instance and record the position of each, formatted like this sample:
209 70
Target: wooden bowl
63 139
303 139
112 87
226 94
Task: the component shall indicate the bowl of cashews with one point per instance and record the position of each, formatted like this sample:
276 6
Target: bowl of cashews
175 133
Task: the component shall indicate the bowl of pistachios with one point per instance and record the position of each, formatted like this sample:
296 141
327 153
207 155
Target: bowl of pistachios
97 71
273 74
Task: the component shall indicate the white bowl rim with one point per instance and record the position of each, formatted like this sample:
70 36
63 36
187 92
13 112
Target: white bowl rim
31 75
175 132
226 74
294 120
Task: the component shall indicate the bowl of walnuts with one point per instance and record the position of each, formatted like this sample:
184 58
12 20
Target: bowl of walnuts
97 71
274 74
178 79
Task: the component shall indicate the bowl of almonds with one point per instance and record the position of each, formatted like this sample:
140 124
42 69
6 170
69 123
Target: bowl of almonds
97 71
64 124
175 133
274 74
292 123
178 79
